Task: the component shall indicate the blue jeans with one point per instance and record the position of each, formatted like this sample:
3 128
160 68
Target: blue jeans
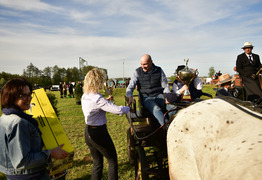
155 106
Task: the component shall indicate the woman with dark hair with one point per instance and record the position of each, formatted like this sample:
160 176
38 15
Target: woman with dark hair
21 154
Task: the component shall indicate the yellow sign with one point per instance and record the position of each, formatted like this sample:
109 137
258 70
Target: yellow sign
53 133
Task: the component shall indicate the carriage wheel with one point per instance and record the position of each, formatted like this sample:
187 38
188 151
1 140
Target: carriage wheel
141 164
130 147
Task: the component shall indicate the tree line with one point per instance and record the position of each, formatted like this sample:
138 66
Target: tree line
49 75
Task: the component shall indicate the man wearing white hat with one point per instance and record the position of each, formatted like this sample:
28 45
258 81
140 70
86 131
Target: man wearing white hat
248 64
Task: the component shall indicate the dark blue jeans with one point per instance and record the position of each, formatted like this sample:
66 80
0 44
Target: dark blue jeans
101 145
155 106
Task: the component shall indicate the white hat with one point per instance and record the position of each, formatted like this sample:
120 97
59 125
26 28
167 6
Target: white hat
247 45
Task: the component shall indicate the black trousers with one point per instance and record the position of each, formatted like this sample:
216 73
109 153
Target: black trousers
101 145
61 93
252 88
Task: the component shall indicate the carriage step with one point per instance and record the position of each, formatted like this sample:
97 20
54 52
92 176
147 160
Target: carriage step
139 119
141 128
157 172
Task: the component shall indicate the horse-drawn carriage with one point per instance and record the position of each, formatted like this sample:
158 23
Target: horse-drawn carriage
146 143
146 139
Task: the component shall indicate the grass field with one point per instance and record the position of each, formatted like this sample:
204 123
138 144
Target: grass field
72 120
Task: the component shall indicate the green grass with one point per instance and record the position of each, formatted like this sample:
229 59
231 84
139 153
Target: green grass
72 120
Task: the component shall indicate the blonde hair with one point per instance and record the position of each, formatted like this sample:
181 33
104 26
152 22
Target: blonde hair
94 80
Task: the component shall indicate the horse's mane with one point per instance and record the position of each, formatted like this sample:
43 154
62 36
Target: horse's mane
247 104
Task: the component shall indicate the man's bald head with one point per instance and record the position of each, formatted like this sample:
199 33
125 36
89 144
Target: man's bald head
146 62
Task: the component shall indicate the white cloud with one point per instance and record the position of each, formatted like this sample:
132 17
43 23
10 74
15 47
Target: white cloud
106 33
28 5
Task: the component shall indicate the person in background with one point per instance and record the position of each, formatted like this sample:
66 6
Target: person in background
71 89
61 89
65 89
94 108
248 64
195 87
81 86
21 154
225 83
151 84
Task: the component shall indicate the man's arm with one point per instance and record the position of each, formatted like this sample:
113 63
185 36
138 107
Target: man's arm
175 89
132 85
258 62
164 82
198 83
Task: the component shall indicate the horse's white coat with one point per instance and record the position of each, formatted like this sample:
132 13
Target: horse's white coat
214 140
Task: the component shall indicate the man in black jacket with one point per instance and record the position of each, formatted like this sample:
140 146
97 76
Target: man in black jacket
248 64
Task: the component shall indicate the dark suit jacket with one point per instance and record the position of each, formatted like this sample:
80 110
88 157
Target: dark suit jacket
245 68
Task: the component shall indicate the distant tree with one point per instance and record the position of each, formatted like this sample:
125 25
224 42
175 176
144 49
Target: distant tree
44 81
2 82
46 78
74 74
85 70
32 74
47 72
62 71
211 71
59 74
8 76
49 75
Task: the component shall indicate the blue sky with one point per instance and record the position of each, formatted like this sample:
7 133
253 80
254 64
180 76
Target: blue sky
107 33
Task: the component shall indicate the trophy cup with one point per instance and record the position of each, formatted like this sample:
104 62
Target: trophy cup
109 88
187 76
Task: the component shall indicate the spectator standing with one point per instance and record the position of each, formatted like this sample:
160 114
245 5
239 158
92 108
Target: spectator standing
97 138
21 154
65 89
61 89
71 89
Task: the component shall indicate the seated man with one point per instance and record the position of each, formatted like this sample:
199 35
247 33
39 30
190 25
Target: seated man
151 83
195 87
225 83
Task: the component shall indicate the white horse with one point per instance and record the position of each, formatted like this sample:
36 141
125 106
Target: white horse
215 140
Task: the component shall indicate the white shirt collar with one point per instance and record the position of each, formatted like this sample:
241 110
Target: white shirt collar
249 55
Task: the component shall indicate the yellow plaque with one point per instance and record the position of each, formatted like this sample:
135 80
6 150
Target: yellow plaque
53 133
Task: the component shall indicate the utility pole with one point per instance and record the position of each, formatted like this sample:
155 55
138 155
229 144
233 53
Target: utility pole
123 71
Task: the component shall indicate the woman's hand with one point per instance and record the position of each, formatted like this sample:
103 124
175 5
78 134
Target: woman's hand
110 98
130 100
59 153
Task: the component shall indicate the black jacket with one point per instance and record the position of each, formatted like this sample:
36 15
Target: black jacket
149 83
245 68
